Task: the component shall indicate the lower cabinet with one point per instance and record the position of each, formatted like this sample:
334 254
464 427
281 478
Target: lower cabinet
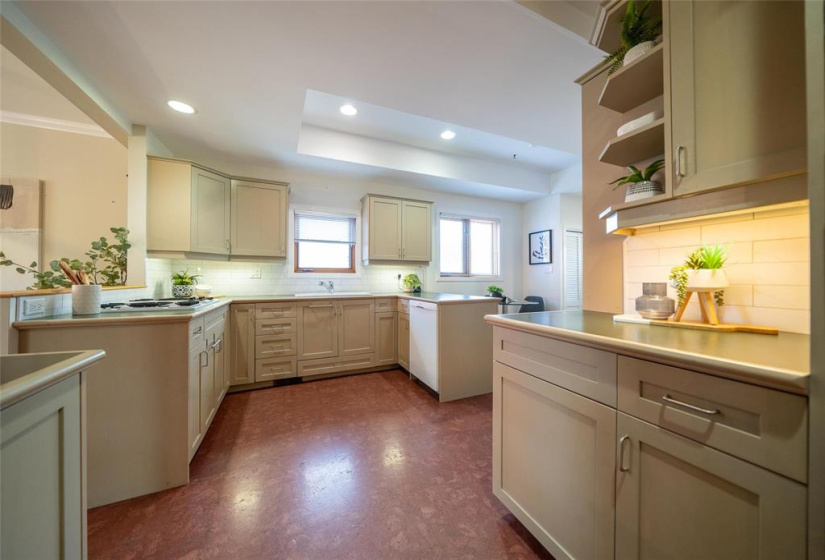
676 498
404 340
554 463
317 330
356 327
386 338
195 434
242 349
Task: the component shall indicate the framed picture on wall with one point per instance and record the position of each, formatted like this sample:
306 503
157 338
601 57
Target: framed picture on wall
541 247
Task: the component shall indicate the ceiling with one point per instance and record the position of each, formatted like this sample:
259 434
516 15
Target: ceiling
492 71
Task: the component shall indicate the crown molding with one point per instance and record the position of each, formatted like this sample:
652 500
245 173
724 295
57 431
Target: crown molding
23 119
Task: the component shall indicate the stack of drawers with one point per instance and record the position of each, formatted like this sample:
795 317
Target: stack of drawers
276 335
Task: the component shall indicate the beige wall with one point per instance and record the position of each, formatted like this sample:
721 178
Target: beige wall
84 183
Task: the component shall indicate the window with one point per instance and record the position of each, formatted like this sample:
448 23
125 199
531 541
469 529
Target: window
468 247
324 243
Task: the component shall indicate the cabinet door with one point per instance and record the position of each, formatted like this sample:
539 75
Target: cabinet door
384 228
386 338
259 219
195 433
242 350
737 92
417 231
553 462
210 212
217 357
356 330
404 340
317 330
676 498
207 390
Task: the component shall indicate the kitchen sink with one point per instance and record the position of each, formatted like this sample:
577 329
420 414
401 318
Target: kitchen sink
337 294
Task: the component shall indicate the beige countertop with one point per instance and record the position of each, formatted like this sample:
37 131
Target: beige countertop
23 375
780 362
185 315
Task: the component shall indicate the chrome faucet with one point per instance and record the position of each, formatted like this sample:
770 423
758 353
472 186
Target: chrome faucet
328 285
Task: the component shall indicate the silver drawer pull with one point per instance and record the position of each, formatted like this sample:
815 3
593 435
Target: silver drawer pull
671 400
199 330
318 306
622 468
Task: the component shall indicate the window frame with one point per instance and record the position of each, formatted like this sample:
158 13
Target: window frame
467 276
299 272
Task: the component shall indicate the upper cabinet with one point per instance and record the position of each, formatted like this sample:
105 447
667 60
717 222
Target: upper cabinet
227 217
259 219
737 92
396 230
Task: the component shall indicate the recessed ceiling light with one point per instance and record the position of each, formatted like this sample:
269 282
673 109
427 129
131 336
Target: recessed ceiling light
447 135
181 107
348 110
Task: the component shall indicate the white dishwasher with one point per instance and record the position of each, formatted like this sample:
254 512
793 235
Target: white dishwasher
424 342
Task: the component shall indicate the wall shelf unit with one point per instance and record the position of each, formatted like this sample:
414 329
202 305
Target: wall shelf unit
636 83
608 26
636 146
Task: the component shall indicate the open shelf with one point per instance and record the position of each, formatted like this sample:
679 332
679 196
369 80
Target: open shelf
641 144
632 85
609 23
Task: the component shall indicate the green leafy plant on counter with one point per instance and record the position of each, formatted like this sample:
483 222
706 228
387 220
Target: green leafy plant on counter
411 281
494 290
637 176
637 28
707 256
46 280
108 261
185 279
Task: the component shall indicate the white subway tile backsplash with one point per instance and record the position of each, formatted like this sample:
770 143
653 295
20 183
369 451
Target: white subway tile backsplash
781 297
782 250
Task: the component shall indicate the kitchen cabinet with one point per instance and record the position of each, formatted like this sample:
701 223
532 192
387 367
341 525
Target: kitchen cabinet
404 340
194 407
317 330
210 212
386 338
553 463
242 348
356 327
259 219
676 498
215 335
395 229
206 393
737 92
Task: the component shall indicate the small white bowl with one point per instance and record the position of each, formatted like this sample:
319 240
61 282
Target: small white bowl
203 290
636 124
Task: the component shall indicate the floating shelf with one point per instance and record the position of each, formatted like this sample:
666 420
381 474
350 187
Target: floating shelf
608 26
641 144
632 85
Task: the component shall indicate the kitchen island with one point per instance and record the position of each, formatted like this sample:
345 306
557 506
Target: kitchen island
642 428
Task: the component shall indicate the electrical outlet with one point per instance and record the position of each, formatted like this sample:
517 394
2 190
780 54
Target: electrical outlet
35 306
255 273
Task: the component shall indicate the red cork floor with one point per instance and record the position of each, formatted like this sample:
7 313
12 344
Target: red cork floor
368 466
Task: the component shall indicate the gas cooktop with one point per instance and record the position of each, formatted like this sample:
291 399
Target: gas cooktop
164 304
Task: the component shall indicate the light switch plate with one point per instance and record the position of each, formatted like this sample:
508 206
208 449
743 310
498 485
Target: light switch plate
255 273
34 306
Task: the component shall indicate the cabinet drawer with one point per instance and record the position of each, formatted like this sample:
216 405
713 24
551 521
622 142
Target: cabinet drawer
275 310
196 334
403 305
269 346
212 320
268 369
763 426
586 371
384 304
275 326
335 365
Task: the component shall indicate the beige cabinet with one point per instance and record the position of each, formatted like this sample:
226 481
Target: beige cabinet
259 219
404 340
396 230
194 407
679 499
317 330
553 463
43 473
215 334
206 393
386 338
242 348
210 212
737 92
356 327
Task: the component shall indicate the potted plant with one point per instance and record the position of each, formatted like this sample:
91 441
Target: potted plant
495 291
637 35
412 283
183 284
640 183
701 272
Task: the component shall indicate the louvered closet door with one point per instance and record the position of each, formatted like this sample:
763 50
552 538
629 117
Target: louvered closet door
572 269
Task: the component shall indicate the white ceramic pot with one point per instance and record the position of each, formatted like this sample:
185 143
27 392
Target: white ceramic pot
86 300
706 280
642 190
182 291
637 52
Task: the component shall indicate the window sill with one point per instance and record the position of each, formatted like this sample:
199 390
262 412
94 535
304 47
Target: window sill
470 279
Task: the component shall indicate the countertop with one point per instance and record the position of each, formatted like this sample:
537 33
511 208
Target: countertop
184 315
23 375
780 362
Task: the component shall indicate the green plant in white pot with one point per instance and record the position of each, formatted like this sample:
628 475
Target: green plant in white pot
411 283
702 272
495 291
637 35
183 284
640 183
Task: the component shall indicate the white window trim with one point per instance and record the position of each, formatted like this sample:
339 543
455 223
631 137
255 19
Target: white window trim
322 211
565 248
477 279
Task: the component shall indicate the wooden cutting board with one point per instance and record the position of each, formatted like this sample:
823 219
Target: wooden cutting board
722 327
